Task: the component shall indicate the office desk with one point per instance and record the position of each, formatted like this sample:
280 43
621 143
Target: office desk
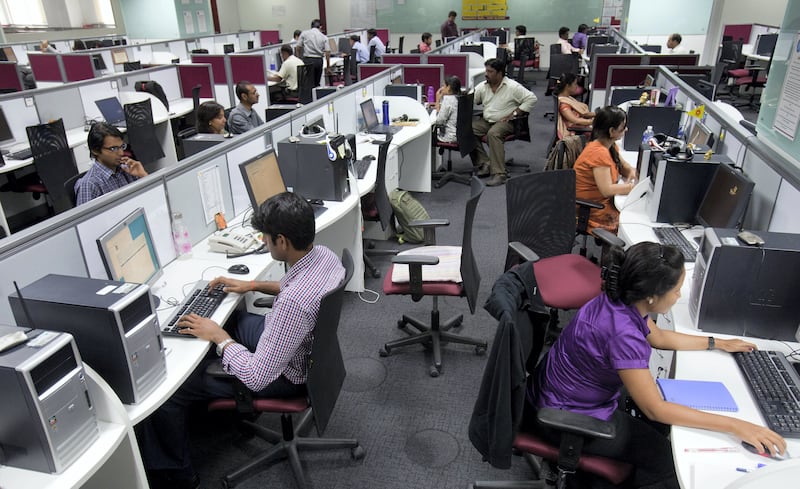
701 470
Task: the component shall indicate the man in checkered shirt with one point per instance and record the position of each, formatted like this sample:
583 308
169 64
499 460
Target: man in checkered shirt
269 354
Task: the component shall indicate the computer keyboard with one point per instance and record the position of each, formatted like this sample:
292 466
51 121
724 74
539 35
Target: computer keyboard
776 388
203 301
673 236
361 167
22 154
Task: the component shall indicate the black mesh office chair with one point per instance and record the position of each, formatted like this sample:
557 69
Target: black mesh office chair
465 143
305 85
380 211
141 132
53 160
69 187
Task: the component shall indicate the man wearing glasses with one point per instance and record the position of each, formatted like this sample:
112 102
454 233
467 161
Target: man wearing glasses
243 117
112 168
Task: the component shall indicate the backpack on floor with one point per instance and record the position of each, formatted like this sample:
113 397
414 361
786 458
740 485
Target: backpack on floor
407 209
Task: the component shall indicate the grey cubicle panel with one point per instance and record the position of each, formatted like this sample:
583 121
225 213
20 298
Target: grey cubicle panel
29 263
345 115
765 193
19 115
97 90
64 103
168 79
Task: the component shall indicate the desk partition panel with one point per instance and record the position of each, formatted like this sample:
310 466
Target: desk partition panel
345 113
366 70
19 116
268 38
403 59
168 79
46 67
10 79
193 75
143 53
63 103
221 82
96 91
426 75
78 67
454 64
250 67
207 43
629 76
602 62
672 59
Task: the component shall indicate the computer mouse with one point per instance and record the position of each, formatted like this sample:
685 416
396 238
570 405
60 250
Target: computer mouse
239 269
316 201
752 449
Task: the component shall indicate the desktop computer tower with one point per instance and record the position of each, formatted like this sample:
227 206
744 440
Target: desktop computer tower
309 171
747 290
114 325
47 417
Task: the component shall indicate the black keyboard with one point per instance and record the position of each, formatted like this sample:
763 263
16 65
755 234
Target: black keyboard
22 154
776 388
673 236
203 301
361 167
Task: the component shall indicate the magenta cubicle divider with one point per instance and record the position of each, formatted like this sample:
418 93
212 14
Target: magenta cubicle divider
402 59
425 75
738 31
454 64
269 37
366 70
248 67
45 67
629 76
9 77
193 75
601 63
383 35
673 59
217 62
78 67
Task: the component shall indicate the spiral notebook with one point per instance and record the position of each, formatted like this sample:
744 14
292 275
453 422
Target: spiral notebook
698 394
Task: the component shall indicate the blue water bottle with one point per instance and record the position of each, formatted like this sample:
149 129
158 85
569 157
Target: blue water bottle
385 112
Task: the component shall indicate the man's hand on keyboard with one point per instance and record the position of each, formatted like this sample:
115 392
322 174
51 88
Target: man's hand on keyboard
202 328
734 345
233 286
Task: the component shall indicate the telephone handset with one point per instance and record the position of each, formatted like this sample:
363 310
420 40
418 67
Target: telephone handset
233 241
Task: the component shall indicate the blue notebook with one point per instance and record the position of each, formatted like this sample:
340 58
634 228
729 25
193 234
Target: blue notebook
698 394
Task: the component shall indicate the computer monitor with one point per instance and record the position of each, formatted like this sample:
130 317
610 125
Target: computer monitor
8 54
700 135
344 45
227 48
404 90
726 199
250 45
648 81
472 48
765 44
368 112
449 39
99 63
119 56
502 36
132 66
651 48
6 136
262 177
320 92
492 39
128 251
592 40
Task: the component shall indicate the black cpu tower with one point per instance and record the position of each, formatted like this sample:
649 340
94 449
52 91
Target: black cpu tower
312 168
114 325
47 417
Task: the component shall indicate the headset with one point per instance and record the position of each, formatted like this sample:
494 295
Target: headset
677 149
313 131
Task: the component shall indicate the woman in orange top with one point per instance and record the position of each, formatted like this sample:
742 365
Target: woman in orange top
599 167
571 112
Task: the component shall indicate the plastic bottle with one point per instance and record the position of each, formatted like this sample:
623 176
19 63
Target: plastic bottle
647 135
385 105
272 67
431 96
180 236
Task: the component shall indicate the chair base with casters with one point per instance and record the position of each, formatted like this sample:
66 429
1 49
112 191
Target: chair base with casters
444 177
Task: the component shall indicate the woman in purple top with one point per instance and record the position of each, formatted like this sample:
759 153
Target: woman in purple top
607 346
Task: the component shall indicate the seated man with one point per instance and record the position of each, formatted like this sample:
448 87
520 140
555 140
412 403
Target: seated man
269 354
374 40
112 168
362 52
674 44
288 71
563 40
503 99
243 117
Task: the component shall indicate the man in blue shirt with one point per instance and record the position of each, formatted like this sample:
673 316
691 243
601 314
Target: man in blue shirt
362 53
112 168
243 117
374 40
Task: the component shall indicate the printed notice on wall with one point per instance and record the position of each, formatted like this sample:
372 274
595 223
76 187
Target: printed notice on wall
788 113
188 24
210 192
201 21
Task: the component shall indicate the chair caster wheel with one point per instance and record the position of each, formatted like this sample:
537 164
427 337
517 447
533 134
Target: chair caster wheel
438 184
358 453
401 324
376 273
434 371
480 350
385 351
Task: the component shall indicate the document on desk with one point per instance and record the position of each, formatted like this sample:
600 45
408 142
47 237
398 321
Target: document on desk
698 394
210 192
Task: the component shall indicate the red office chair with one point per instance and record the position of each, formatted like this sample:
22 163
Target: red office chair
326 375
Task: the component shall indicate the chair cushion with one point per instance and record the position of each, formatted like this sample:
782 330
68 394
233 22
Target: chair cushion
292 405
428 288
442 144
447 270
612 470
747 80
567 281
739 72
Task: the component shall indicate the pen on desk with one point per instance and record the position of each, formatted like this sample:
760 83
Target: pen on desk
719 449
745 469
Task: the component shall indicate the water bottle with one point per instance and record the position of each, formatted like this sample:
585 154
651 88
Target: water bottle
385 106
647 135
431 96
272 67
180 236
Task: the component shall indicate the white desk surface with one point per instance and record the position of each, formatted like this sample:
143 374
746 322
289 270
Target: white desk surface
702 470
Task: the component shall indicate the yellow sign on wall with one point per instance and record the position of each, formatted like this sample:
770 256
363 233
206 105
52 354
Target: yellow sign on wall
484 10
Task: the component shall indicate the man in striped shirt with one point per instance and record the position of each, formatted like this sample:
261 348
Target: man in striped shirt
269 354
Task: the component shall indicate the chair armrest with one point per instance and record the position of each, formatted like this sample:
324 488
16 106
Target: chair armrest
215 370
429 223
579 424
589 203
415 260
608 238
266 301
523 251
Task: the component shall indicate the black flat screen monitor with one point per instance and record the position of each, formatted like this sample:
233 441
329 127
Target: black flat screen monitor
652 48
320 92
99 63
472 48
502 36
449 39
128 251
6 136
227 48
700 135
132 66
765 44
262 177
404 90
592 40
665 120
726 199
344 45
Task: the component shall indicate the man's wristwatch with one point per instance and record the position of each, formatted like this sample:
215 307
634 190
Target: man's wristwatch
221 345
710 342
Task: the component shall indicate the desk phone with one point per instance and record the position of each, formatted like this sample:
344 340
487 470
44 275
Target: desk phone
234 241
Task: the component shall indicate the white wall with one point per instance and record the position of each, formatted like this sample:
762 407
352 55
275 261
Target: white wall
150 19
229 20
768 12
284 15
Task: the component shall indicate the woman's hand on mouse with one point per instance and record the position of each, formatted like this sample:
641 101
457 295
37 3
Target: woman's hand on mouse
759 436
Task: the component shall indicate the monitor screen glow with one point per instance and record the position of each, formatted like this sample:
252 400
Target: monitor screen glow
262 178
128 251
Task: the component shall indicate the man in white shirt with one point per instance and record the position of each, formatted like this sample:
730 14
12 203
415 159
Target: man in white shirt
288 71
563 40
315 45
362 53
674 45
374 40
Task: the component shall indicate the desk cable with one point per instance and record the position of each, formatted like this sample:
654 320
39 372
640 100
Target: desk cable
369 301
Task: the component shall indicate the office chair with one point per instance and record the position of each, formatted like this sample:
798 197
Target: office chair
326 373
440 281
465 143
400 44
494 428
528 47
560 64
522 132
69 187
54 162
381 211
372 58
305 86
142 132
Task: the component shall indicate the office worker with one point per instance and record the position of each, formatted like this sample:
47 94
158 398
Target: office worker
362 53
563 40
571 112
374 40
449 27
600 166
579 38
45 47
607 346
211 118
503 99
243 118
269 354
427 40
315 45
447 109
674 44
298 51
288 71
112 168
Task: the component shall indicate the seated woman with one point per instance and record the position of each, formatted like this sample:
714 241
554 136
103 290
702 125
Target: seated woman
427 40
447 109
571 112
600 166
607 346
211 118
